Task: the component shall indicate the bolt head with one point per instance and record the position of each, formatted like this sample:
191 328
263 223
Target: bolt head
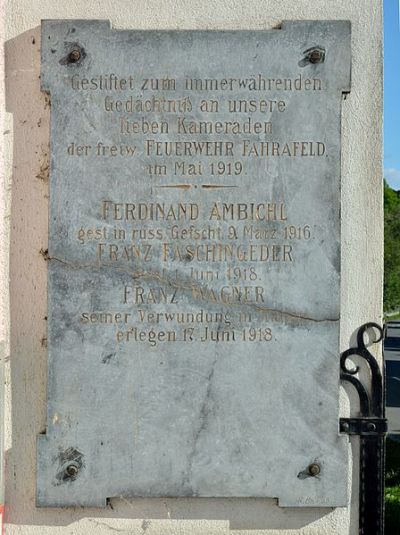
74 55
314 469
371 427
315 56
71 470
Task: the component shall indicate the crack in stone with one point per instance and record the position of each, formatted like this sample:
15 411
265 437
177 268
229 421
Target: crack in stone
105 525
292 315
174 284
204 413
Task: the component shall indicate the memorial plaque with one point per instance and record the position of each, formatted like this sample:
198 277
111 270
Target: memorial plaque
194 263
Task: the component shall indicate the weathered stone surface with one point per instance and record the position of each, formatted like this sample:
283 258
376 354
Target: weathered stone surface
194 263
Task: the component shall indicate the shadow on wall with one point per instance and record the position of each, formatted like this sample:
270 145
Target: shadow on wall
29 223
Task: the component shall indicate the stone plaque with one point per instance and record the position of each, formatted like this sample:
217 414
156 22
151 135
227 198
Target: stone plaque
194 263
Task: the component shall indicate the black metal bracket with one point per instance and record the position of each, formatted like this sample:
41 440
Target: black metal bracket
371 426
363 426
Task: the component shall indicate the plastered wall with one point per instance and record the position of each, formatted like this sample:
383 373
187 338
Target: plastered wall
23 241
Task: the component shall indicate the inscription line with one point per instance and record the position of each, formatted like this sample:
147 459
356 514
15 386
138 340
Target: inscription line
204 186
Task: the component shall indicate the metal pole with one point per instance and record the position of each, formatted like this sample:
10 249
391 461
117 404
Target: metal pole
371 426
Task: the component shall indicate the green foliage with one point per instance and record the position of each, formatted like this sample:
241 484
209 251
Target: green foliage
392 510
392 317
392 477
391 287
392 490
391 301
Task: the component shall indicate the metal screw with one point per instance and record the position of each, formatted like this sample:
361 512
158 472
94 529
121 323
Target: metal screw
314 469
72 470
315 56
371 427
74 55
345 426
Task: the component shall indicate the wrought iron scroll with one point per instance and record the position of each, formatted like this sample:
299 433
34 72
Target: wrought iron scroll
371 426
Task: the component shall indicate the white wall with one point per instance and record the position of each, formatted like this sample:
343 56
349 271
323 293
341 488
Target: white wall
24 195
